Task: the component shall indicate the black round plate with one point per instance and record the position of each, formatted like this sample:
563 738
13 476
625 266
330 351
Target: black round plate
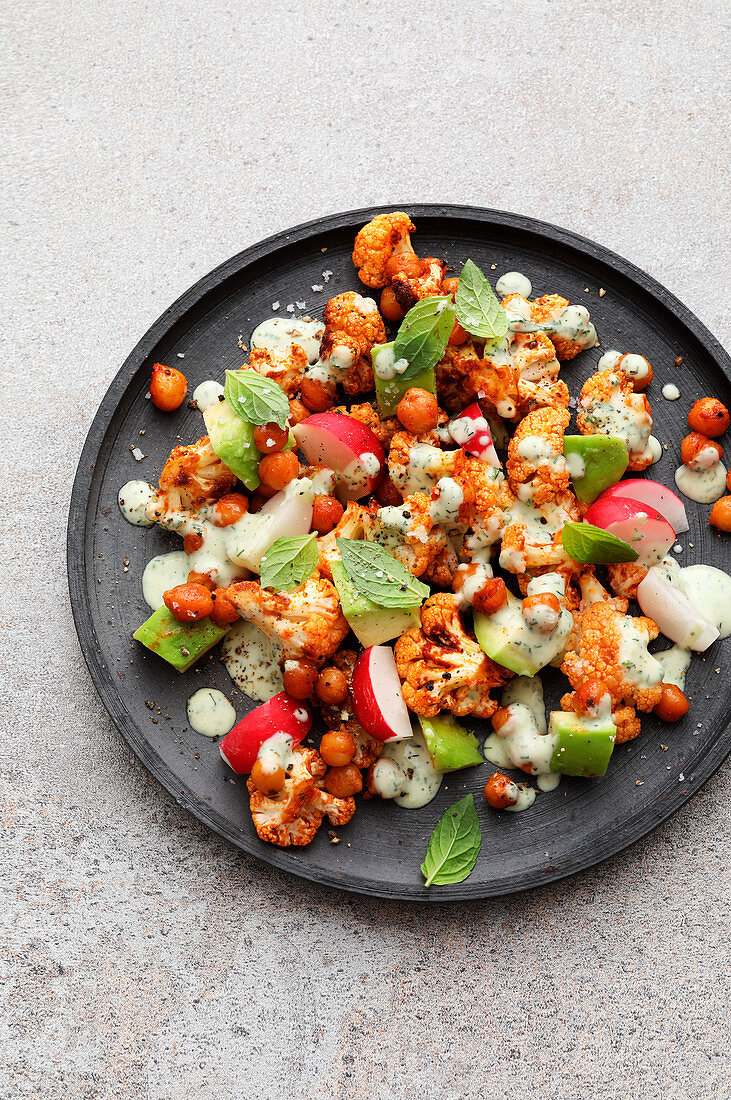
380 852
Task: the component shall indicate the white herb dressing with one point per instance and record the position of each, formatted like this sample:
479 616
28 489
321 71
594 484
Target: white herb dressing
387 777
426 465
675 663
608 360
670 391
526 797
514 282
541 521
276 752
445 509
280 333
133 499
654 449
251 659
527 690
621 416
207 394
575 466
386 366
539 647
210 712
537 450
482 572
640 667
703 486
420 782
163 572
636 367
570 322
520 744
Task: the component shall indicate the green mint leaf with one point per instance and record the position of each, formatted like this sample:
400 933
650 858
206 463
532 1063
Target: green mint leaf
478 310
424 334
255 398
288 563
594 546
378 576
454 845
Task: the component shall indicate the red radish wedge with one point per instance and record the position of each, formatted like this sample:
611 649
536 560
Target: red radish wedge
635 523
376 693
471 432
674 613
658 496
281 714
346 446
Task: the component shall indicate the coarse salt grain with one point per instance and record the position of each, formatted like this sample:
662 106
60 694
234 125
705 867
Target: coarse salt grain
300 305
326 275
137 454
317 286
275 305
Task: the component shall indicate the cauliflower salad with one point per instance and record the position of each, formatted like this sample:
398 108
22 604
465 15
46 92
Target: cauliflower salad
390 528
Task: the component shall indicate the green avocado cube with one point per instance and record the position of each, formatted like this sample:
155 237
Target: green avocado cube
496 640
370 623
594 463
390 390
450 746
180 644
233 441
583 745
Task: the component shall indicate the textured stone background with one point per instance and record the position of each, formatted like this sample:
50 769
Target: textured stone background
142 956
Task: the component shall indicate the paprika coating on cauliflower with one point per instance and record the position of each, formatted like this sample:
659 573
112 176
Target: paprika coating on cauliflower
536 465
568 327
352 326
286 366
384 236
407 531
409 289
608 405
307 621
293 815
192 477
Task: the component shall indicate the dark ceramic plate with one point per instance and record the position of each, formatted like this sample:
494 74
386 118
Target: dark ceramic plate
380 852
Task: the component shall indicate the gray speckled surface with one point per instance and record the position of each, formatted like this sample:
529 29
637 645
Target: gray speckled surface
141 956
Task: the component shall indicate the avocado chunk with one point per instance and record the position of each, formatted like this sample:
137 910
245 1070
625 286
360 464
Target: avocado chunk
506 637
583 746
390 390
180 644
450 746
594 463
370 623
233 441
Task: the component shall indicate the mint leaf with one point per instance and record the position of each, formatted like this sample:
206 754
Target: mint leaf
454 845
288 563
255 398
424 334
594 546
378 576
478 310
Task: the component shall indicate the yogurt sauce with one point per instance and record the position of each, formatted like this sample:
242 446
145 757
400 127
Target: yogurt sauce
635 367
675 663
133 498
514 282
163 572
276 752
608 360
416 781
281 333
670 391
445 509
704 486
527 690
210 713
520 744
207 394
251 659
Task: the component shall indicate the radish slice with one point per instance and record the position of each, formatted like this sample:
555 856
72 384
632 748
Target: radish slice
377 698
471 432
281 714
674 613
635 523
345 445
658 496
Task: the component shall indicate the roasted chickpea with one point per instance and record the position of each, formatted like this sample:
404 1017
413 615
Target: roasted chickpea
698 452
638 370
332 686
390 309
168 388
458 335
418 411
501 791
499 718
278 470
299 678
188 602
337 749
728 480
267 782
297 411
387 493
720 516
541 612
201 578
587 696
192 542
407 264
491 596
709 417
317 396
673 704
449 286
270 438
343 782
224 611
326 513
229 509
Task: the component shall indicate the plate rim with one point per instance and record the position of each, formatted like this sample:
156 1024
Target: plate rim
637 827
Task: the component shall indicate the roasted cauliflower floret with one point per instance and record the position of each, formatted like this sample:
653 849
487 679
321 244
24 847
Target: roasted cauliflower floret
352 326
534 356
384 236
409 289
442 668
624 578
440 572
536 465
307 622
383 429
192 476
350 526
417 463
293 815
462 376
568 327
407 531
541 395
285 367
532 537
608 405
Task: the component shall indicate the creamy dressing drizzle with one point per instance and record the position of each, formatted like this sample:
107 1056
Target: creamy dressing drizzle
445 509
670 391
703 486
635 367
640 667
133 498
571 322
251 659
418 782
207 393
514 282
675 662
622 416
164 572
280 333
654 449
520 744
527 690
210 712
608 360
276 752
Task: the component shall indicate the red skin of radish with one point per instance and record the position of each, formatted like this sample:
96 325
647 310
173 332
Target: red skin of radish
376 695
481 444
338 441
239 748
617 517
658 496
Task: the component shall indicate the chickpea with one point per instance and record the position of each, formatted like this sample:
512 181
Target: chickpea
698 452
449 286
587 696
326 513
406 264
709 417
499 718
491 597
299 678
317 396
192 542
728 480
337 749
390 309
387 493
188 602
297 411
631 367
278 470
267 782
418 411
500 791
168 387
270 438
332 686
229 509
458 335
204 579
541 612
673 704
224 611
720 516
343 782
